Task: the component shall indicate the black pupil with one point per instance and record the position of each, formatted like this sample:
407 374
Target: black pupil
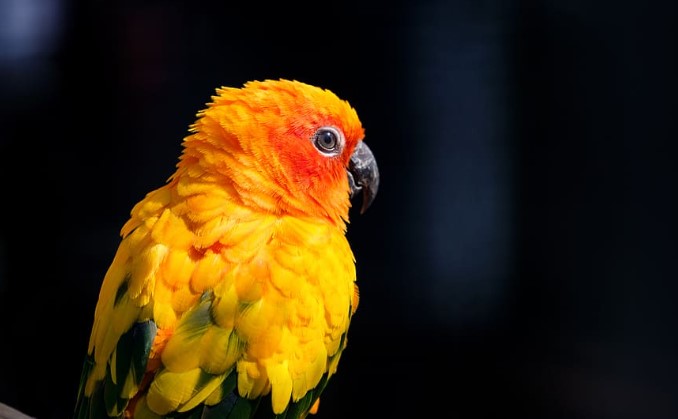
327 140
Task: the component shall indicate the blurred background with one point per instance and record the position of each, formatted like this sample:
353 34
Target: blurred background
520 259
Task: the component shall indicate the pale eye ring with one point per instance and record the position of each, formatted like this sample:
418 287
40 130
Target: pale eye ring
328 140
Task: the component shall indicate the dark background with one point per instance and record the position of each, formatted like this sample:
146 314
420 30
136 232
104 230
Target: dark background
520 258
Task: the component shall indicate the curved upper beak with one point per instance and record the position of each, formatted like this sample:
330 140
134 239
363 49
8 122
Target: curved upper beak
363 174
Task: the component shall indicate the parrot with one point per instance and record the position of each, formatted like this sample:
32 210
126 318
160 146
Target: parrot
233 285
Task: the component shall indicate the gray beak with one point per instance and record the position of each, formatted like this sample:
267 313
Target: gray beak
363 175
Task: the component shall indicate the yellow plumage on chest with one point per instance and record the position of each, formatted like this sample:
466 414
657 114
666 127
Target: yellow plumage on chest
267 297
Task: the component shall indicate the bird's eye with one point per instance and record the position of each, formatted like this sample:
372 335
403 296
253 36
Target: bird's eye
328 140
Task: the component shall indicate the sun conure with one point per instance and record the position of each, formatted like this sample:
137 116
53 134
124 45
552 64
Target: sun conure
233 286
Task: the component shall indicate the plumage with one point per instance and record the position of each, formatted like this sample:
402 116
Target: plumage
233 286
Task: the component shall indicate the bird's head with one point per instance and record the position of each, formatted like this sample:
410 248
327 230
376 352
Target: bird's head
285 147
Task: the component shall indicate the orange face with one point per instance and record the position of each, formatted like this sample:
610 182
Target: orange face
291 141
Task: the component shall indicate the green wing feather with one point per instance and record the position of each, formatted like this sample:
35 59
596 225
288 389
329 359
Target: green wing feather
129 360
127 366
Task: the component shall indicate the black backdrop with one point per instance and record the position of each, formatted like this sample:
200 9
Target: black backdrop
520 258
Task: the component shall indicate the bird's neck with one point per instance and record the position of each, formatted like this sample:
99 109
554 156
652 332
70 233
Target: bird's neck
227 175
233 183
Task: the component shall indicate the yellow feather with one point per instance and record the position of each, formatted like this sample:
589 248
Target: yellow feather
253 319
209 269
286 281
281 385
144 267
219 350
170 390
216 396
307 233
333 364
213 230
177 268
198 184
112 281
183 299
226 305
307 366
208 204
149 208
290 256
250 280
171 229
251 381
246 239
203 393
181 351
249 231
163 312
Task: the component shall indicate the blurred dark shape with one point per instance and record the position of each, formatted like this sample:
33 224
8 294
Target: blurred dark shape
457 94
7 412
